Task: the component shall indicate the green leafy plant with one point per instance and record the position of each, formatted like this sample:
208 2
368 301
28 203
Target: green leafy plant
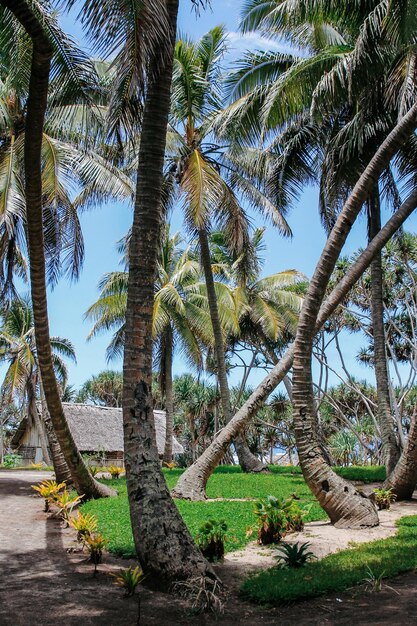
383 498
115 471
278 516
210 539
48 489
94 470
129 579
65 502
96 543
12 460
294 555
85 524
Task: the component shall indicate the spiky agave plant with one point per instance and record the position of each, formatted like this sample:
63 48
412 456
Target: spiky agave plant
294 555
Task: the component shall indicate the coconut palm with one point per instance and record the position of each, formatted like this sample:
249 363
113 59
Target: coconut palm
46 54
179 317
22 381
210 180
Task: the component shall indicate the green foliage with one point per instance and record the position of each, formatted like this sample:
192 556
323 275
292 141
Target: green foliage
294 554
96 543
115 471
12 460
85 524
65 502
49 490
211 538
278 516
384 498
129 579
336 572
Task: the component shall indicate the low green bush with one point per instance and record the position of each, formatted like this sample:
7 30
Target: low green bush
339 571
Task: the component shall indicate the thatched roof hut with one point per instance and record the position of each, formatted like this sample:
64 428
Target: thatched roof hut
96 429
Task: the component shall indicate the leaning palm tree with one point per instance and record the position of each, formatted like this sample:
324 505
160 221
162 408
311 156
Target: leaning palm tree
22 381
43 32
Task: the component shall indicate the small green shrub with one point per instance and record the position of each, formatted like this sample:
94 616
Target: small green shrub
115 471
279 516
85 524
211 538
129 579
294 555
48 489
96 544
12 460
383 498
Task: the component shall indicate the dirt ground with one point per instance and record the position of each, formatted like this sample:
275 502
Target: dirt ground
43 582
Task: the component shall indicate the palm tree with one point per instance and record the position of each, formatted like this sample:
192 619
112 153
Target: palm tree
179 318
265 309
105 389
202 469
22 382
209 178
39 28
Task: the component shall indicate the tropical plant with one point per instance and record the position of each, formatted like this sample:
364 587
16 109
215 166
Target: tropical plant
12 460
84 523
22 382
48 489
65 502
211 538
115 471
129 578
45 52
95 543
384 498
294 555
104 389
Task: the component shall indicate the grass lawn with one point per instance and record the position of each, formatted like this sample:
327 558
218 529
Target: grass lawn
226 482
337 572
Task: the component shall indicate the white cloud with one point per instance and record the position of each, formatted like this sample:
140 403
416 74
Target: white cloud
252 41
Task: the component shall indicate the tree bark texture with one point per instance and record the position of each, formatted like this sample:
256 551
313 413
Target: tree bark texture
192 483
167 390
164 545
390 447
345 507
403 479
36 106
247 460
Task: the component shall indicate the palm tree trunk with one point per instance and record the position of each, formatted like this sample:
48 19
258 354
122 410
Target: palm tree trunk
168 393
61 469
36 106
192 483
403 479
34 416
164 545
247 460
343 504
390 447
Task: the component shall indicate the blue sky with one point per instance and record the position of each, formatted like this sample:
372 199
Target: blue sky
105 225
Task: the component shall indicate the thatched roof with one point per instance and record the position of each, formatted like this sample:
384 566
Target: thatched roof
98 428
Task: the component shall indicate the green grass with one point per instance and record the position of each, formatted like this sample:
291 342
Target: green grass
339 571
226 482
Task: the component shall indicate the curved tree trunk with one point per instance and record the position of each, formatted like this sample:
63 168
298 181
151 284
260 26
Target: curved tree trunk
345 507
403 479
192 483
167 392
61 469
390 447
36 106
34 416
163 543
247 460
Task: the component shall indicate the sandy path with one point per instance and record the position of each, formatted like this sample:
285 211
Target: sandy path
41 584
